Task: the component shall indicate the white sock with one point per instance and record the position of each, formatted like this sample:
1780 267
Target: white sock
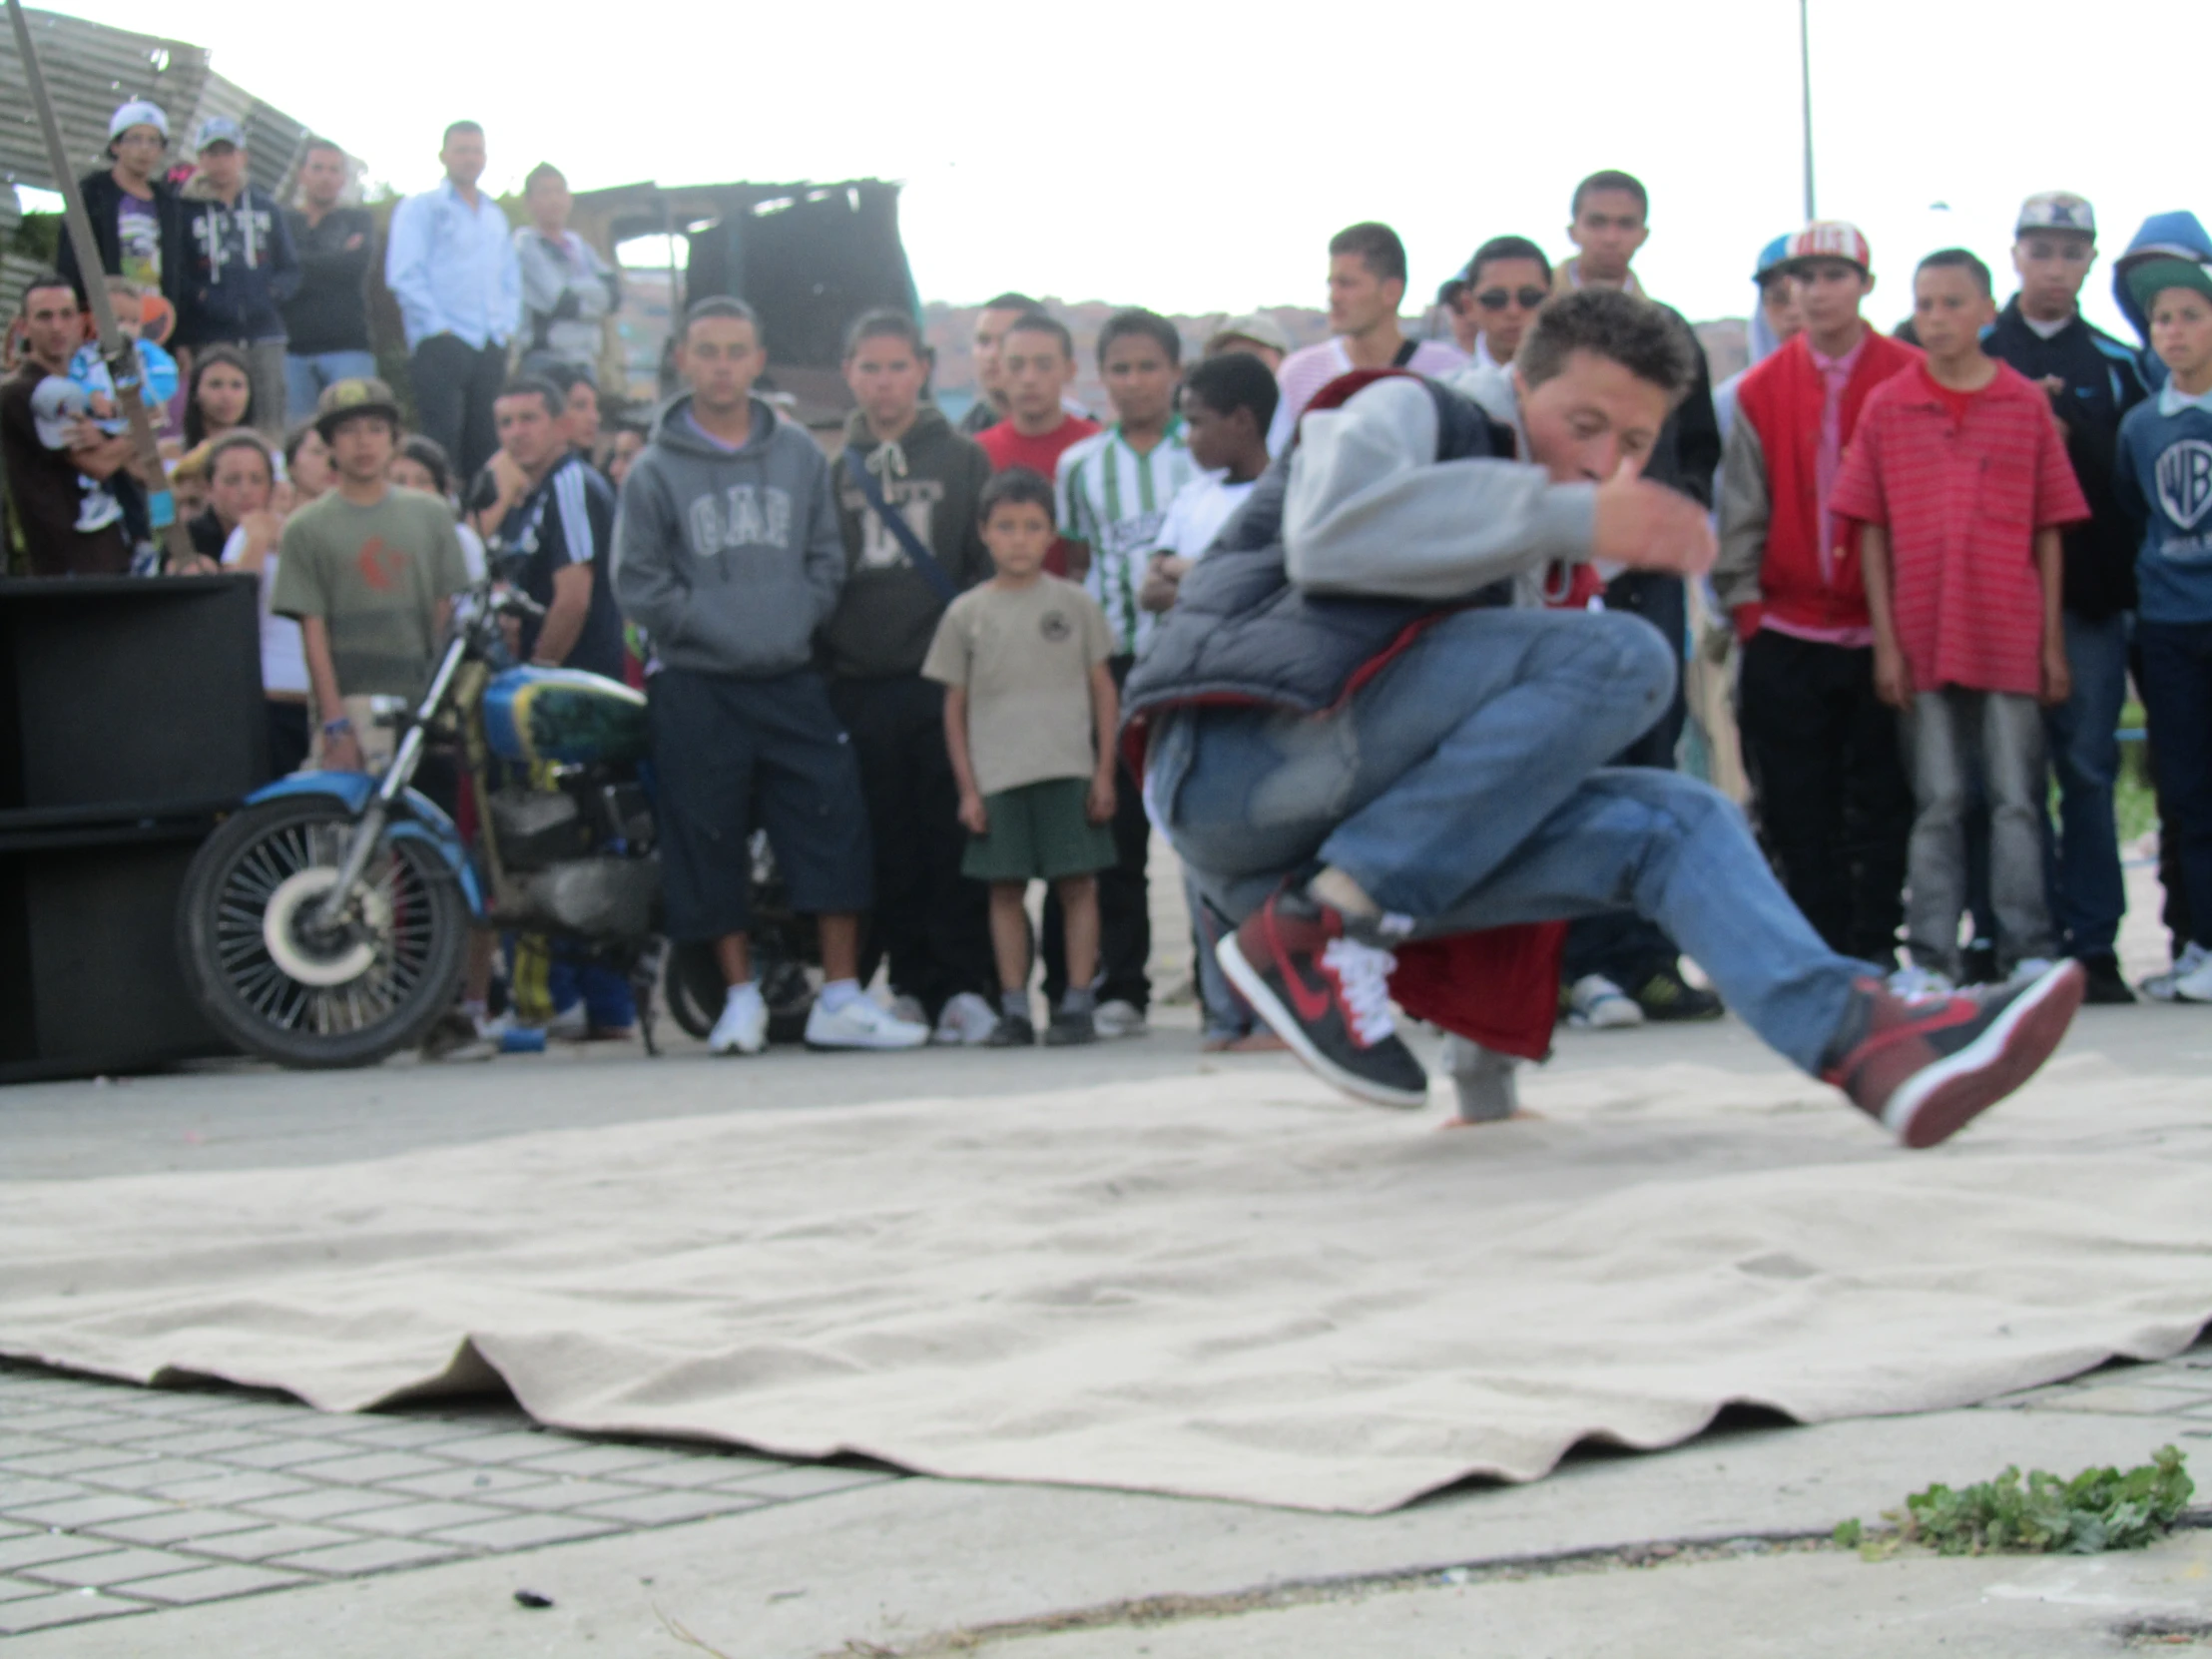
839 993
741 993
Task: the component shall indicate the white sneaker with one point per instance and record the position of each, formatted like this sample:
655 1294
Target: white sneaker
910 1009
1595 1003
571 1025
2188 980
742 1027
968 1021
1119 1019
1918 984
861 1024
2028 969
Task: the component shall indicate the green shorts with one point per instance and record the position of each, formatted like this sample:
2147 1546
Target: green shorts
1039 833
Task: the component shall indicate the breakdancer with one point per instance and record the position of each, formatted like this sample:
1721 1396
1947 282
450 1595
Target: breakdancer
1361 728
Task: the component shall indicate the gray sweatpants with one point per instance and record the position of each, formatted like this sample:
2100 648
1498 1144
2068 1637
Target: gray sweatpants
1953 738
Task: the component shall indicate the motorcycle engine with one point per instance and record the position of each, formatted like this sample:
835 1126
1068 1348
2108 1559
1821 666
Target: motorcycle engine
603 898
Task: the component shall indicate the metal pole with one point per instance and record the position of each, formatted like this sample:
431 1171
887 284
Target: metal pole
1804 78
115 347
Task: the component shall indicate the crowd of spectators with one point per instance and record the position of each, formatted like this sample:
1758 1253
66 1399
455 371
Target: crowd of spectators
1947 552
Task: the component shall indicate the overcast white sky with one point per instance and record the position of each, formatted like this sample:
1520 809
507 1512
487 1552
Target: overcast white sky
1181 155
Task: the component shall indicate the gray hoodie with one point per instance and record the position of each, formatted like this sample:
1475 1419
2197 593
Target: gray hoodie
728 559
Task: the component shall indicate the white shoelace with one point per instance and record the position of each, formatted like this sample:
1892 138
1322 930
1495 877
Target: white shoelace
1363 975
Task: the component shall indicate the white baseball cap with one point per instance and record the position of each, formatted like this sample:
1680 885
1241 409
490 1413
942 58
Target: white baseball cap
138 113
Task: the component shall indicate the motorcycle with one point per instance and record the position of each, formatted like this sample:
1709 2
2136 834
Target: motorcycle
326 923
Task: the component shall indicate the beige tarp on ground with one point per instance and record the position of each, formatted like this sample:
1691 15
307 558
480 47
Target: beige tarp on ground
1234 1285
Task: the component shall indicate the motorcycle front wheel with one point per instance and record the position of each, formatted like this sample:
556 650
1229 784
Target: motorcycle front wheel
277 983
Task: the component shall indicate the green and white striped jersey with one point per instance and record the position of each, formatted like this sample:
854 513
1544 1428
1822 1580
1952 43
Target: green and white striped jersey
1117 501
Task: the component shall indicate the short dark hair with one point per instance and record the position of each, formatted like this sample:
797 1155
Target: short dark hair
1376 243
1506 248
453 127
544 169
1010 301
722 305
1958 259
565 376
298 435
240 440
1611 178
428 455
555 399
1648 340
1042 323
1016 484
43 279
1151 325
884 323
312 143
1235 380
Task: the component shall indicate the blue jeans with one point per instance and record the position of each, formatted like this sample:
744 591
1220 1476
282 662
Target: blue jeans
306 376
2087 898
1465 787
2176 681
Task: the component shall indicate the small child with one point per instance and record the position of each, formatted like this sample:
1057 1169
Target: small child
1029 716
1228 403
2164 477
1960 478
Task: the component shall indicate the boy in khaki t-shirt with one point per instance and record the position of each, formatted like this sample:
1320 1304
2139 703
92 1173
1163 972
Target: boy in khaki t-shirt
1029 718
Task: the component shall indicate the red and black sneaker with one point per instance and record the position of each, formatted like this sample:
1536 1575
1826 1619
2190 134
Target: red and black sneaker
1926 1068
1327 995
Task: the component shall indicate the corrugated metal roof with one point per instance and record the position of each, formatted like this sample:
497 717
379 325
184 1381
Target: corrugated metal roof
91 68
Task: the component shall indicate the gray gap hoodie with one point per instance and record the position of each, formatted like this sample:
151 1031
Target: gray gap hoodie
728 559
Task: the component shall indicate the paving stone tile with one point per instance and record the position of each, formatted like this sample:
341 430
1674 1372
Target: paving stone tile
416 1519
145 1475
14 1446
89 1510
58 1420
232 1486
115 1566
21 1493
568 1494
403 1435
705 1469
37 1547
112 1428
187 1440
504 1447
318 1504
665 1508
15 1589
181 1589
469 1482
594 1459
267 1453
369 1555
272 1417
363 1468
74 1459
2118 1399
176 1527
526 1531
265 1542
171 1402
68 1607
804 1480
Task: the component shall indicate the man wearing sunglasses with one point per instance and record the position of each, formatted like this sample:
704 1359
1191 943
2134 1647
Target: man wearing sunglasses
1498 298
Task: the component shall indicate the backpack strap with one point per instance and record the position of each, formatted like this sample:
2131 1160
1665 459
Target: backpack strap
916 550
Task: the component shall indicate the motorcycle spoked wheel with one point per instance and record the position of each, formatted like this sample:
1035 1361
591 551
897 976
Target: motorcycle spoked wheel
275 985
694 990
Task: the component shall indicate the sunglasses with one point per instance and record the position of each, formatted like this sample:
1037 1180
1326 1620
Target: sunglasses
1496 300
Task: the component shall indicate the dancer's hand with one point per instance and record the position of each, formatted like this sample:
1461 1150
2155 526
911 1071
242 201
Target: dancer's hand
1647 527
973 817
1893 678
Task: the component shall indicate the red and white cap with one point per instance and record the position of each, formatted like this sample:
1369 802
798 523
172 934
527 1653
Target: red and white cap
1829 238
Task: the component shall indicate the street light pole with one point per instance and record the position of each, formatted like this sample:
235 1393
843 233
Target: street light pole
1804 77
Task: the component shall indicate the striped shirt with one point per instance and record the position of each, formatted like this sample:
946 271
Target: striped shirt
1961 497
1117 501
1305 371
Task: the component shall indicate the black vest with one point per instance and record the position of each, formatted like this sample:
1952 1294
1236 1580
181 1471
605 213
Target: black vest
1240 631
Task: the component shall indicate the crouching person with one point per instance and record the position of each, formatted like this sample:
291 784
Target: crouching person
1359 738
727 553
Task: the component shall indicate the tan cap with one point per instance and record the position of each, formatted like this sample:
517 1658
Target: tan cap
1255 326
346 398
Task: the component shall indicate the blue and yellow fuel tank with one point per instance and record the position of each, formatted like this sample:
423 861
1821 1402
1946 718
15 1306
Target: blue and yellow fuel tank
564 714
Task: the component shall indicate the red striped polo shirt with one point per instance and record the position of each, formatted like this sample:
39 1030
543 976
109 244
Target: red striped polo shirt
1961 498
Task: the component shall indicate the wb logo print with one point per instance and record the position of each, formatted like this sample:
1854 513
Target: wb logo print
2185 482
